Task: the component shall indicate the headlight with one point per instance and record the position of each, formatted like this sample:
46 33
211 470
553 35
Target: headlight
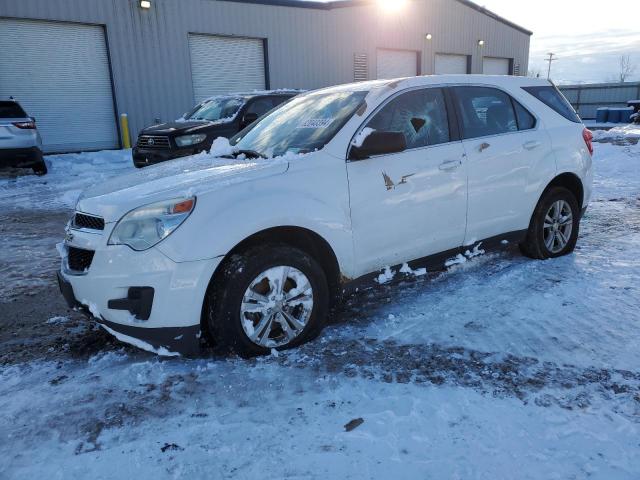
146 226
187 140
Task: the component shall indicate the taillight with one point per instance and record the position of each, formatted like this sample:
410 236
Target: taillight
588 139
25 125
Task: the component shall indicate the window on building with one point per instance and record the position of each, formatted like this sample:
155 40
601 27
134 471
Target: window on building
420 114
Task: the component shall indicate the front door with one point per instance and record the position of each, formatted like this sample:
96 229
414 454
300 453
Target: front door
412 204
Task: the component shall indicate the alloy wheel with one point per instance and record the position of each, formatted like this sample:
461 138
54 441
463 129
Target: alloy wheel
276 306
558 226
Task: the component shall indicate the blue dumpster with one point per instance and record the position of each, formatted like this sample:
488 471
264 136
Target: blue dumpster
602 115
615 115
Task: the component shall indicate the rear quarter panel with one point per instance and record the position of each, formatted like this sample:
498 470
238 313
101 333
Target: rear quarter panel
568 149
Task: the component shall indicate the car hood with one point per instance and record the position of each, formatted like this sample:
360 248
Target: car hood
180 178
183 127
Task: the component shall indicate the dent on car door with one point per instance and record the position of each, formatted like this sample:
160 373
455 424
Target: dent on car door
504 144
410 204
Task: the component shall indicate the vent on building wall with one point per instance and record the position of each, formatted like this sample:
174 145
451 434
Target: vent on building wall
360 67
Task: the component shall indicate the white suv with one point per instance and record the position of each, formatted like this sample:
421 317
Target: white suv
251 243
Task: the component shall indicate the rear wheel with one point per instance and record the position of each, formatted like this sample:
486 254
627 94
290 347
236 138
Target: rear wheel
554 227
270 297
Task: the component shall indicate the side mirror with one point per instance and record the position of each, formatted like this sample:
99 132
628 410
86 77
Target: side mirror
248 119
33 119
379 143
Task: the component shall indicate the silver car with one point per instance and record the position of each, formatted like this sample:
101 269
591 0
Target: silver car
20 142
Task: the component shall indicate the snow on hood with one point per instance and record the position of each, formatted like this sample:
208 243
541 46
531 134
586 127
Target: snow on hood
178 178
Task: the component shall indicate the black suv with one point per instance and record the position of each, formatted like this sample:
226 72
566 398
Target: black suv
221 116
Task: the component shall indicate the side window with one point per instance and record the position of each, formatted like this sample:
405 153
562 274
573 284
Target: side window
485 111
420 114
279 100
526 121
260 106
553 98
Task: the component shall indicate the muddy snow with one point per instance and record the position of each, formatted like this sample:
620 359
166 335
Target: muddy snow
500 367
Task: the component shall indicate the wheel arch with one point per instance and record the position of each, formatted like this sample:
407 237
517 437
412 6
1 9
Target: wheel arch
299 237
571 182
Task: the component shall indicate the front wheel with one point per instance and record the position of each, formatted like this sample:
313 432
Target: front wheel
270 297
40 168
554 227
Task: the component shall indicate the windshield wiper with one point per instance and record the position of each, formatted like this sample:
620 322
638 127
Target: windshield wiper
249 154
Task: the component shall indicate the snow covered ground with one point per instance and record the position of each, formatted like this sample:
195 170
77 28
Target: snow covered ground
499 368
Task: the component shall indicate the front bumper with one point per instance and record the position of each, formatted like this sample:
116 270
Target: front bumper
143 157
139 295
21 157
165 341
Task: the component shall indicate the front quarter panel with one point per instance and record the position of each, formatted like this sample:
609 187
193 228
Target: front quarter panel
312 194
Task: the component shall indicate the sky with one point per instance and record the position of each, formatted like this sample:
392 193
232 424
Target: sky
587 36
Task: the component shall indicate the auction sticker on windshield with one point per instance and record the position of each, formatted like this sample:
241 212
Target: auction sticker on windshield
316 123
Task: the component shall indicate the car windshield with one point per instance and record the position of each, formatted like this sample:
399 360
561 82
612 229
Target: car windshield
302 125
216 109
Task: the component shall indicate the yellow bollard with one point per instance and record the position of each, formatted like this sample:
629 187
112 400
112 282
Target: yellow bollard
124 131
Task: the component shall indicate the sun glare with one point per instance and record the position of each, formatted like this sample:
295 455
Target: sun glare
392 6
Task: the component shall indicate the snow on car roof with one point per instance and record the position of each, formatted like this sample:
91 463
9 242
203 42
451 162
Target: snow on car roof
255 93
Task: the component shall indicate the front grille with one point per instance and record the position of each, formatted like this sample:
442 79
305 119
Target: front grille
80 220
79 260
153 141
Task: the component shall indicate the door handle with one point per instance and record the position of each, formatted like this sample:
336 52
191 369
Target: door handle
532 145
450 165
484 146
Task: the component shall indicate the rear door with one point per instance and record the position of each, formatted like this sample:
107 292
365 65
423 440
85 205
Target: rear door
504 145
411 204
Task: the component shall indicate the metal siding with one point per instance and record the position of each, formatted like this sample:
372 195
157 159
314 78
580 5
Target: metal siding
59 72
308 48
587 98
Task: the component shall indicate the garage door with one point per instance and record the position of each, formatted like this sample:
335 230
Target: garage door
495 66
451 64
397 63
222 65
60 74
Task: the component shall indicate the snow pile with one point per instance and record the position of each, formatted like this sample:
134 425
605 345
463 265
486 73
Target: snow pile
69 174
616 169
407 270
386 276
622 132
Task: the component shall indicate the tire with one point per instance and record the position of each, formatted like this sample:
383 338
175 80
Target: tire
557 238
40 169
230 324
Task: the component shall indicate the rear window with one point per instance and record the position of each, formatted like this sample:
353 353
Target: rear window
552 98
11 110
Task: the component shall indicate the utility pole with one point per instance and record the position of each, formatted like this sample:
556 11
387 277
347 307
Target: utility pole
550 59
